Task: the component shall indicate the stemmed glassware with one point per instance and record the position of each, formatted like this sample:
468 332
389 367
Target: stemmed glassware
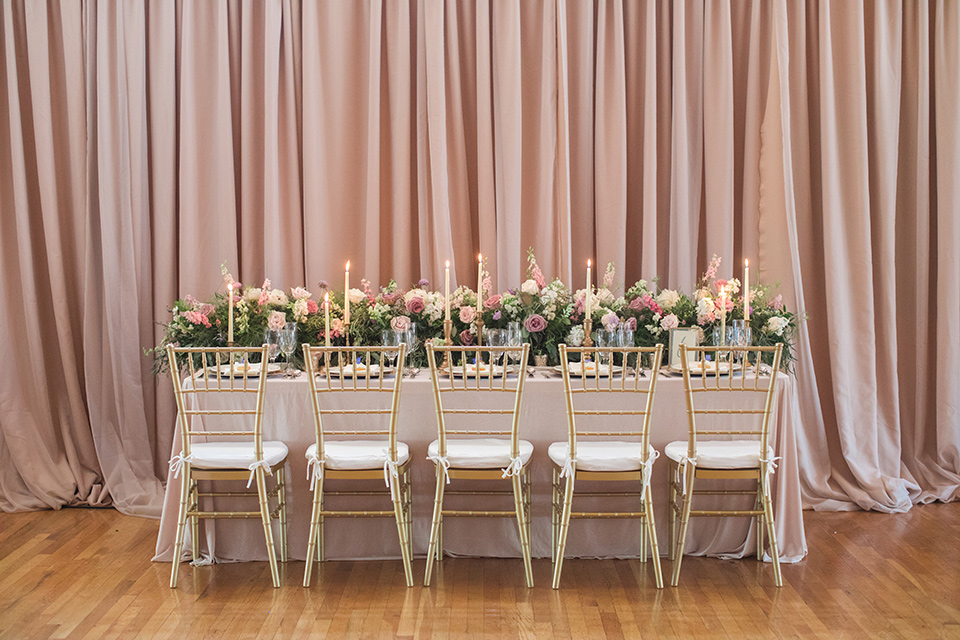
514 338
410 337
271 338
391 338
288 344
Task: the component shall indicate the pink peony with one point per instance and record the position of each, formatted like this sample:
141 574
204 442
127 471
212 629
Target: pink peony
535 323
415 304
277 320
466 337
467 314
493 302
610 320
400 323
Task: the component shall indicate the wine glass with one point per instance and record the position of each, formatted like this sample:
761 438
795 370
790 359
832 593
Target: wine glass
288 344
495 339
410 336
514 338
271 338
391 338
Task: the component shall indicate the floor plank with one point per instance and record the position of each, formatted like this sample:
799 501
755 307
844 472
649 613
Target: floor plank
86 573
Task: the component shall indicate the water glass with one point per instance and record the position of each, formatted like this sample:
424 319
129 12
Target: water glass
391 338
271 338
514 338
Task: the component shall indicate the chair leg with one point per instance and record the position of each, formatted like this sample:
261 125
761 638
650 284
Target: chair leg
518 501
672 511
433 550
686 501
314 526
650 526
267 532
399 514
760 520
563 528
772 532
181 524
193 505
282 499
554 515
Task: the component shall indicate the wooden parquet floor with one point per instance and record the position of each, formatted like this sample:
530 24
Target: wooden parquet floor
85 573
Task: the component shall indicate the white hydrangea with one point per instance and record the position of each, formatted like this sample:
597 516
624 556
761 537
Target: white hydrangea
776 325
575 337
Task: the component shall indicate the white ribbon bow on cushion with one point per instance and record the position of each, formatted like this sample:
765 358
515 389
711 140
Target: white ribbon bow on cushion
770 467
391 475
442 462
647 472
314 470
253 470
567 469
177 462
514 468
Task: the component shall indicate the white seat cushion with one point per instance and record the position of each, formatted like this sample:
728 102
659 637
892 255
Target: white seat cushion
358 454
234 455
602 455
720 454
480 453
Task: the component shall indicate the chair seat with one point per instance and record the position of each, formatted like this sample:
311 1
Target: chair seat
358 454
234 455
480 453
602 455
720 454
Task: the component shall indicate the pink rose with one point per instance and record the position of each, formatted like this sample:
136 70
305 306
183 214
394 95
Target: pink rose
206 309
336 327
637 304
400 323
312 306
631 324
466 337
415 304
467 314
277 320
535 323
493 302
670 321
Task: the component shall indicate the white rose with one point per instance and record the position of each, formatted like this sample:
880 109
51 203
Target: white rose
530 287
415 293
357 296
252 294
668 298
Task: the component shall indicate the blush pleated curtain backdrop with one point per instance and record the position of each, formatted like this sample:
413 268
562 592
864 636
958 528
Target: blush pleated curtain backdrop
145 143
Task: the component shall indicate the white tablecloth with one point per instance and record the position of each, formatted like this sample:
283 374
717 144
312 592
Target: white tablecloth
288 417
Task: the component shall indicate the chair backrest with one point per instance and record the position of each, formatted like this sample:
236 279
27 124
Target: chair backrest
729 391
220 394
470 386
358 385
592 388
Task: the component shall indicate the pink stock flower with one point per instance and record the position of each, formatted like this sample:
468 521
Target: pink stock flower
467 314
649 303
277 320
712 269
538 276
195 317
400 323
193 302
608 276
535 323
777 303
487 284
493 302
312 306
365 285
466 337
415 304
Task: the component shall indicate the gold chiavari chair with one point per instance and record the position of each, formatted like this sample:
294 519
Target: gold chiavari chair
220 414
356 397
606 443
729 399
478 414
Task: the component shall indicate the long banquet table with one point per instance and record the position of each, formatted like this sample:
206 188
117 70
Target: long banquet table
288 417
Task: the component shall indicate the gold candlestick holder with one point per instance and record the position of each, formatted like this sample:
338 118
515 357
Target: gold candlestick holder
587 340
346 331
479 323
